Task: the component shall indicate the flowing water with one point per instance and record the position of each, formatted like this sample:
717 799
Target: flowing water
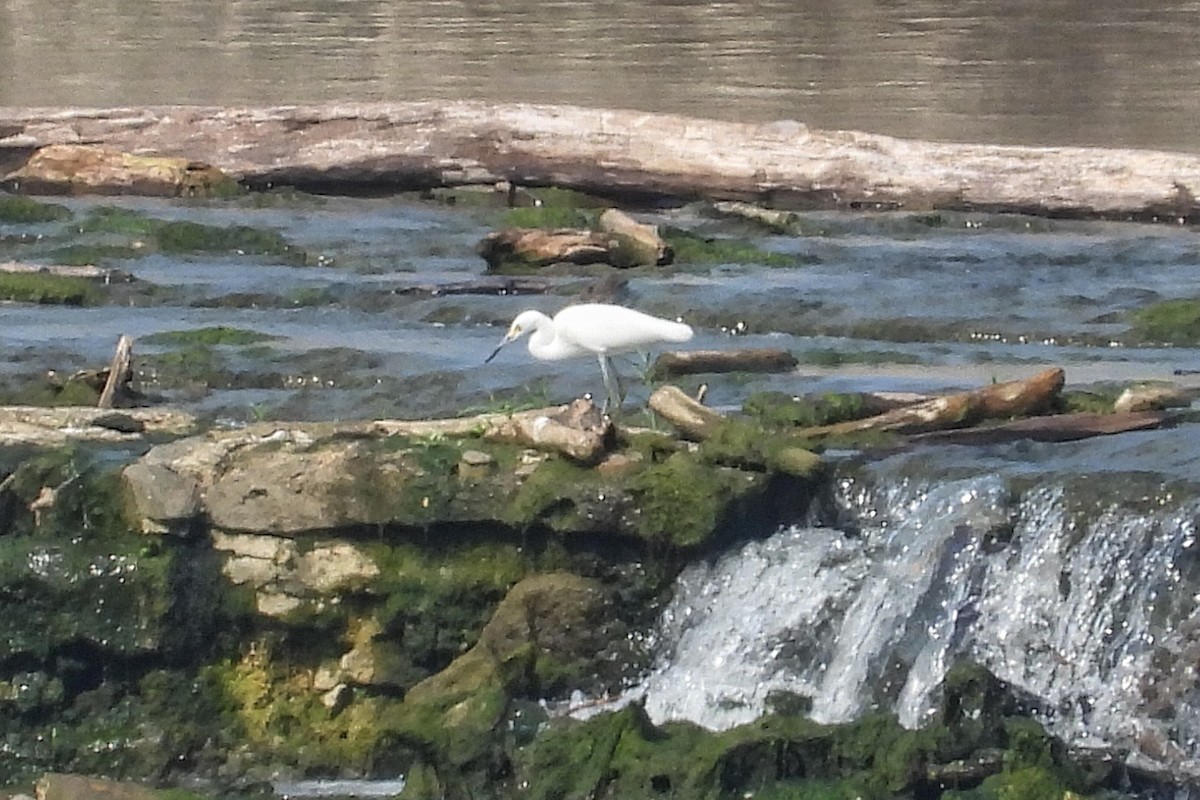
1105 72
1079 588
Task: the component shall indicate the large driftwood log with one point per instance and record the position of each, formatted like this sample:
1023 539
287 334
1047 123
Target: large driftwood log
998 401
428 144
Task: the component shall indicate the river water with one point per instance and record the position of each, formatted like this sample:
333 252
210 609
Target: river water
1104 72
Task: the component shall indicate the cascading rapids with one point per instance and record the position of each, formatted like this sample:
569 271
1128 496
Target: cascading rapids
1089 608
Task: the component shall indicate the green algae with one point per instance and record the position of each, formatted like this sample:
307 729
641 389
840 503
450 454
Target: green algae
436 600
46 289
1170 322
212 336
16 209
181 237
783 410
681 501
693 248
548 216
83 255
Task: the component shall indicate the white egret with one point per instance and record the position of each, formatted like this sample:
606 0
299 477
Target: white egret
596 329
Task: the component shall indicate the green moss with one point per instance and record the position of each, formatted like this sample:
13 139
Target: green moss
208 337
1170 322
1091 401
276 712
831 357
81 255
691 248
436 600
624 755
18 209
123 221
680 500
547 216
185 236
193 237
47 289
782 410
545 496
1025 783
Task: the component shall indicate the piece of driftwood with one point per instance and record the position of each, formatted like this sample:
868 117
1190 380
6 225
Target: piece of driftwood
1152 397
641 245
538 247
769 218
693 419
89 272
1049 428
577 430
55 426
745 359
617 153
119 373
1000 400
78 169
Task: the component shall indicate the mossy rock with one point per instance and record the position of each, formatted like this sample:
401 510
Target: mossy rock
623 754
15 209
82 254
208 337
180 237
47 289
782 410
1170 322
692 248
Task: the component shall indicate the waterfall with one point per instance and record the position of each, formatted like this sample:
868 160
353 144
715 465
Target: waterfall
1081 592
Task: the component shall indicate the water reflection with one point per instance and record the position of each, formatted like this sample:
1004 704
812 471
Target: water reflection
1063 72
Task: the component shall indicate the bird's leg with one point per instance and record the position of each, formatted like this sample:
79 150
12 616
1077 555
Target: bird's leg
607 371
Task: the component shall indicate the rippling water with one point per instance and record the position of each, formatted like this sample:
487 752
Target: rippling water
1065 72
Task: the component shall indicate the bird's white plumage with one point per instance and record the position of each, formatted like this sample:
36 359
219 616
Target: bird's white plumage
596 329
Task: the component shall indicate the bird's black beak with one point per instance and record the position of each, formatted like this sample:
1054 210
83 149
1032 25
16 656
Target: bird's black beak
494 352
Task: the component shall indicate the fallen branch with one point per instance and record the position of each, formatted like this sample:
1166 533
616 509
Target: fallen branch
1001 400
1053 428
693 419
747 359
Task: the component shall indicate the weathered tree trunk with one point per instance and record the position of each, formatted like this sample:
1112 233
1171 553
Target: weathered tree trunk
745 359
1001 400
621 154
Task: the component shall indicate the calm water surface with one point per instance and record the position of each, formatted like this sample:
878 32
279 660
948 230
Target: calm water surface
1106 72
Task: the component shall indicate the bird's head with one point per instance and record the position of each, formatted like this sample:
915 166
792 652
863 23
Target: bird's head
525 322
